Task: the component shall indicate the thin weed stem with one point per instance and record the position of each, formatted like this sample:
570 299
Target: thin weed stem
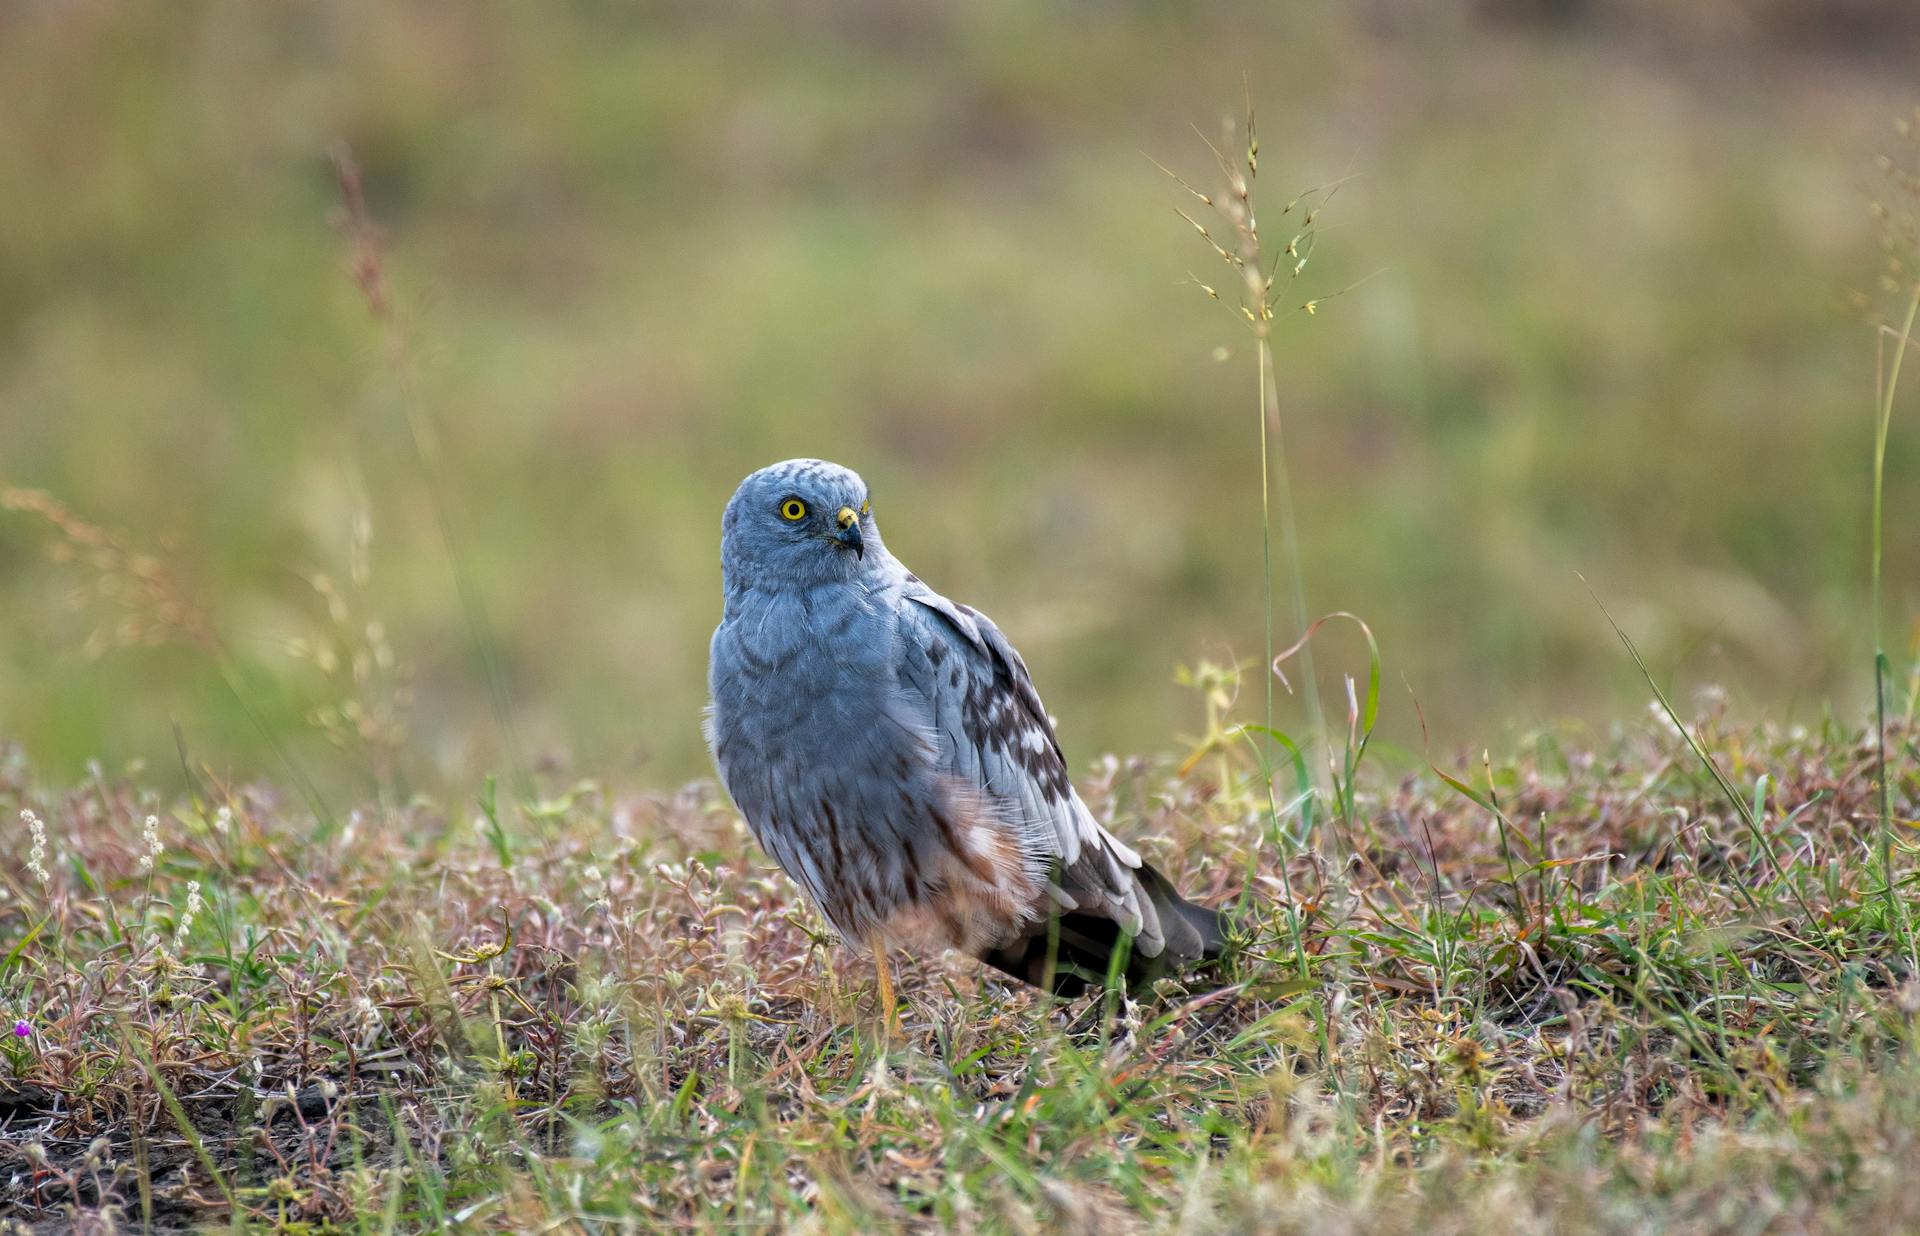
1886 390
1280 488
369 274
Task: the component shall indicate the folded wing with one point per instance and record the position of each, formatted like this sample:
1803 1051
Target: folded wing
992 735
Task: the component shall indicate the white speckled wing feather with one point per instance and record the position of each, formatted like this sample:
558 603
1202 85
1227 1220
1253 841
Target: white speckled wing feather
992 733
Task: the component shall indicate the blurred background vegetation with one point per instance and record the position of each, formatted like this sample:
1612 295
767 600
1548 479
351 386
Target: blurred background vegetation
636 251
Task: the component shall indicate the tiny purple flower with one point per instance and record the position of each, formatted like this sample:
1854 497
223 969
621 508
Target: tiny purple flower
21 1029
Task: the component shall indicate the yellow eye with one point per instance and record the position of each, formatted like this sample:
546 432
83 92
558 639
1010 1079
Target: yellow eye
866 508
793 510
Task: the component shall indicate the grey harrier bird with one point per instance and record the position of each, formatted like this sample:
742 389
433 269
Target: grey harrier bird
889 751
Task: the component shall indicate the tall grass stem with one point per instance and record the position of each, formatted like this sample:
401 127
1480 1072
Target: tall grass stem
1273 445
1883 422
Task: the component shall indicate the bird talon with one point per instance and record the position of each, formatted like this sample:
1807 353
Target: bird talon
884 993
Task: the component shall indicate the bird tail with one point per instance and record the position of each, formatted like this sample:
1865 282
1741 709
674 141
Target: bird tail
1069 953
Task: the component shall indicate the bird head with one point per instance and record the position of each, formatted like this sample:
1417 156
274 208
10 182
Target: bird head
801 522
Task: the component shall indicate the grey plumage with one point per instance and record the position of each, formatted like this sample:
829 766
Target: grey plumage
888 749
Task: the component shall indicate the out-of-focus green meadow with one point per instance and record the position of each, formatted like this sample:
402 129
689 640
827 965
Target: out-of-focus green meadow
638 251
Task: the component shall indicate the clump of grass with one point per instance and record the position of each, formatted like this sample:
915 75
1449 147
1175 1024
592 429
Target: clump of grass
370 689
146 599
150 600
154 604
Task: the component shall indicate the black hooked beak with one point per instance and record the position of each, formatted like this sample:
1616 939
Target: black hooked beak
849 535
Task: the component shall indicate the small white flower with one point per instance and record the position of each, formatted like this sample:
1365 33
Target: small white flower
150 837
37 856
186 916
223 820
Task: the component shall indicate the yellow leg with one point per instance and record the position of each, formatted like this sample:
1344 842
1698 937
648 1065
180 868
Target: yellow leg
889 1013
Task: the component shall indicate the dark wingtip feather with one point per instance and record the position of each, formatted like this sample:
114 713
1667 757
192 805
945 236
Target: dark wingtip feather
1203 937
1070 953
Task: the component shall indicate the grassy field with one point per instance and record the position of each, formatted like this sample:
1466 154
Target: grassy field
370 382
1622 1001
